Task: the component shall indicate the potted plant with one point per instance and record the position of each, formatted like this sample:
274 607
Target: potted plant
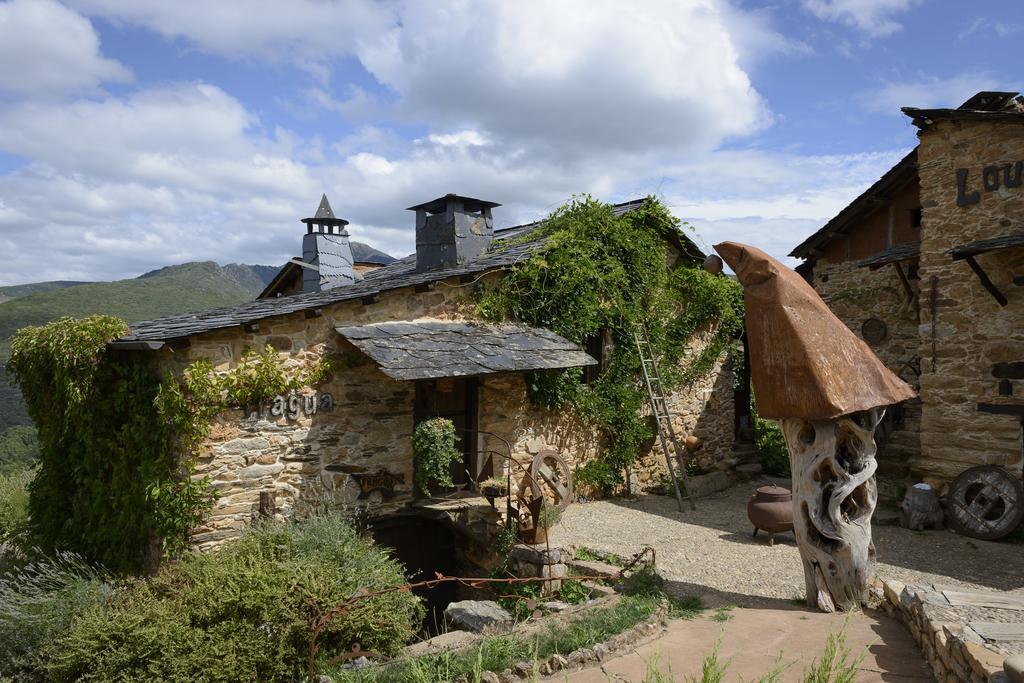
434 444
548 517
493 488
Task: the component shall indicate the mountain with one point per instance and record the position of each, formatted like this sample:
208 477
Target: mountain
14 291
367 254
170 290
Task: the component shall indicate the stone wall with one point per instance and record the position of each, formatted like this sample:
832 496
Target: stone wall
964 331
310 460
856 294
704 409
955 652
262 463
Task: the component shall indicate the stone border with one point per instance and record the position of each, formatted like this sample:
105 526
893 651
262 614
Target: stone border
620 643
956 653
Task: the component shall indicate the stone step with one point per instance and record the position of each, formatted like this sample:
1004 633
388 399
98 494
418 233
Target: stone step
592 568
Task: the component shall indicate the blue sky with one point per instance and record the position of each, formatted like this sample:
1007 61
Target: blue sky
139 134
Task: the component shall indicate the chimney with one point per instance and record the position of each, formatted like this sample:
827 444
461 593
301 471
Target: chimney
326 249
451 231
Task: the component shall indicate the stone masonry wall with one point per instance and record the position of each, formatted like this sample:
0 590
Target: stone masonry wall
314 459
856 294
964 331
704 409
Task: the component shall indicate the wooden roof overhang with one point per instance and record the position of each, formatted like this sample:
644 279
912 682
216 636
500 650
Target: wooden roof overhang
436 349
896 256
967 252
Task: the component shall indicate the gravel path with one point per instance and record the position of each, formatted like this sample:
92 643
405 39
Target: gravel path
710 552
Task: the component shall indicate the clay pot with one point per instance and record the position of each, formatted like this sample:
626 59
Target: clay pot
771 509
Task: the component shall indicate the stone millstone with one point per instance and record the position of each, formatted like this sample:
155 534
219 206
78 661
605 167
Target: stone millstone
479 616
1014 668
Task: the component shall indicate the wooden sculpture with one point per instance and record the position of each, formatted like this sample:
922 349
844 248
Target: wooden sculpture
828 391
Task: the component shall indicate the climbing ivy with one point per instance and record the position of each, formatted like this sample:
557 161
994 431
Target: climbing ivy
118 442
598 270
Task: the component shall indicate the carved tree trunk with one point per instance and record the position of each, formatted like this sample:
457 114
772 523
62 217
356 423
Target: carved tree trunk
834 496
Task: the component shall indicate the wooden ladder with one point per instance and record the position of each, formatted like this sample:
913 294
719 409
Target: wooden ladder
662 418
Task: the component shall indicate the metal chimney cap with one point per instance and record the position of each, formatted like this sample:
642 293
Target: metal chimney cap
325 215
438 205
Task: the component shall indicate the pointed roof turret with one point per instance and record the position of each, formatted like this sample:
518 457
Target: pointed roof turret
325 218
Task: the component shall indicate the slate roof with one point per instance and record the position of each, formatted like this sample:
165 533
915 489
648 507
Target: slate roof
981 246
431 349
402 273
900 252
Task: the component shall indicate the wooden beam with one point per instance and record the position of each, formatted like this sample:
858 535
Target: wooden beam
251 327
314 312
135 345
425 287
370 299
985 281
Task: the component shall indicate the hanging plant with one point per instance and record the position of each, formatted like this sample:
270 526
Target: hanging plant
434 444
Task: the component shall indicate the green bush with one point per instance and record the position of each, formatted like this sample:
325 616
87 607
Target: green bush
38 601
771 446
244 612
14 504
19 448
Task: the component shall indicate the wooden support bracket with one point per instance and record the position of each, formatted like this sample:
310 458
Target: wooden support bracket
911 295
985 281
370 299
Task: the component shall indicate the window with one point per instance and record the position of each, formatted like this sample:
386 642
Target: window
595 346
915 217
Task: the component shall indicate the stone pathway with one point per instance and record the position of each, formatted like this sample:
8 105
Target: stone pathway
710 552
753 639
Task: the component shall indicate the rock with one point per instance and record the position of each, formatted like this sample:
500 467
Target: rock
556 606
538 554
983 661
706 484
259 471
600 651
593 568
1013 666
523 669
479 616
452 640
557 663
489 677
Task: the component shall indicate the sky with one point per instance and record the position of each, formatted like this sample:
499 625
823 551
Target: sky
140 134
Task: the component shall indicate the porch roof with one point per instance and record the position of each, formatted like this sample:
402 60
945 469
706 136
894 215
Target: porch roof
432 349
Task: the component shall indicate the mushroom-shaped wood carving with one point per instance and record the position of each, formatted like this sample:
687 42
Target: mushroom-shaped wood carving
828 390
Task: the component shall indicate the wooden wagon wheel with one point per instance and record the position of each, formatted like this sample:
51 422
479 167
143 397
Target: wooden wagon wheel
551 474
985 502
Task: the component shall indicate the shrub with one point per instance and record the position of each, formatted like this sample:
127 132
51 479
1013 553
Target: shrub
38 601
246 611
14 504
771 446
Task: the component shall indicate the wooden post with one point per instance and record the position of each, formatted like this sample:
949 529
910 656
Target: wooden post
834 496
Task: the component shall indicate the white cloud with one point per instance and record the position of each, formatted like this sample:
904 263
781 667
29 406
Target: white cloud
873 17
47 49
524 104
928 91
308 32
590 74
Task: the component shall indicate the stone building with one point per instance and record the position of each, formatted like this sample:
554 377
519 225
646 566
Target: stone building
927 266
411 350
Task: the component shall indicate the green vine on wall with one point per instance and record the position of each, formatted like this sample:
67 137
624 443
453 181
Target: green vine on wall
118 442
600 271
